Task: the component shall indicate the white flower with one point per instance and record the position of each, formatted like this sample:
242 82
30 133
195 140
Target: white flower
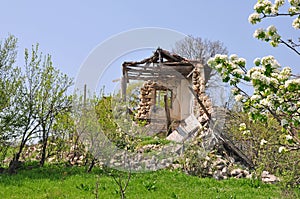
264 102
233 57
288 137
238 71
259 33
286 71
284 122
256 61
274 81
265 61
281 149
246 132
296 23
279 2
263 6
210 61
235 90
219 66
292 108
242 125
254 18
272 29
238 97
256 75
294 2
219 56
263 142
255 97
293 10
291 81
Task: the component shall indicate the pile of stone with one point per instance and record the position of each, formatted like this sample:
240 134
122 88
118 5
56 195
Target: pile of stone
269 178
147 98
222 168
199 89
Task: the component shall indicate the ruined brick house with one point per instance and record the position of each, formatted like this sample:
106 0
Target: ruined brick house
171 85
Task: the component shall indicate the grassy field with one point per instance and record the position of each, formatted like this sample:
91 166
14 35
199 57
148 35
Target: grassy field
73 182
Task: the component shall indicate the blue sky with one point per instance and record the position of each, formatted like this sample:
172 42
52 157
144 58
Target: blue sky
70 30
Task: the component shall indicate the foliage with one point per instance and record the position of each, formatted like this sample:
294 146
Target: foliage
193 160
276 90
30 99
259 142
10 82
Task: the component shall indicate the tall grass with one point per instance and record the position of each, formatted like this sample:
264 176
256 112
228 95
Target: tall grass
59 181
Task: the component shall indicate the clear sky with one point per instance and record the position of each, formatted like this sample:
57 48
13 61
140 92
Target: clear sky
70 30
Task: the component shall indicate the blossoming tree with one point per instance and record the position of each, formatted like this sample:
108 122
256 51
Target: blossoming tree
276 91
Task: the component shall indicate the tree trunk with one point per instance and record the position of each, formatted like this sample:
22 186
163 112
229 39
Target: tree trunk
44 147
15 163
91 165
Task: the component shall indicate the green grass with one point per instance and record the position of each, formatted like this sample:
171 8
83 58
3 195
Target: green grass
72 182
151 140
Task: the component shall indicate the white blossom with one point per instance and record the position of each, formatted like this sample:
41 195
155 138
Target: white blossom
242 126
286 71
292 108
291 81
294 2
259 33
219 66
293 10
211 61
272 29
284 122
263 142
263 6
274 81
279 2
264 102
233 57
238 98
270 60
246 132
238 71
254 18
235 90
281 149
255 97
296 23
219 56
256 75
288 137
256 61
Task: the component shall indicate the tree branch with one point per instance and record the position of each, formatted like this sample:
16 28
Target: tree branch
289 46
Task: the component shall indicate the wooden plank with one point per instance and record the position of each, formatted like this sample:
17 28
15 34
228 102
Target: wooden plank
168 116
200 102
124 87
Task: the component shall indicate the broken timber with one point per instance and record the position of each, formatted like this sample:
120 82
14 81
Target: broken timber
226 141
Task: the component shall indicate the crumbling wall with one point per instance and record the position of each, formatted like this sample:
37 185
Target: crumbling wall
199 88
147 99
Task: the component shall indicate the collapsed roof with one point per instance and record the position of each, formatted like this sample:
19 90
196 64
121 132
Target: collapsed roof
159 66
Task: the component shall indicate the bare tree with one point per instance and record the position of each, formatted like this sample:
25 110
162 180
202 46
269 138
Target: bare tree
196 48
